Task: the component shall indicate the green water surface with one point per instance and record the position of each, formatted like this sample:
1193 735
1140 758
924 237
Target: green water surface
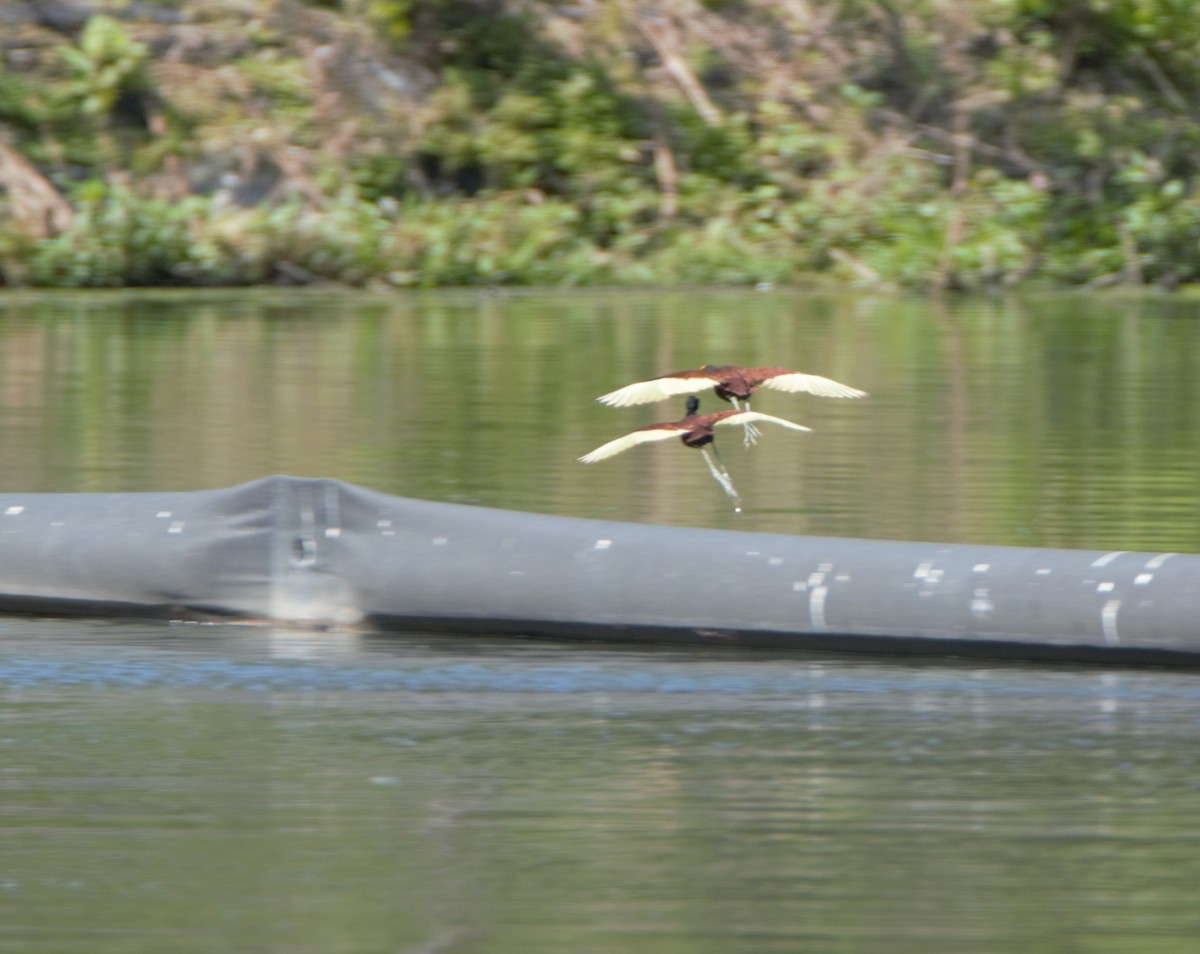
168 788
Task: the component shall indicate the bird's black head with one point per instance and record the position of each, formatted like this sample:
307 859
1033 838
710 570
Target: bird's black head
693 404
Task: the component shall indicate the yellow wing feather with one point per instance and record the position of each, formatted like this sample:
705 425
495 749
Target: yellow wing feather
797 382
749 417
626 442
657 389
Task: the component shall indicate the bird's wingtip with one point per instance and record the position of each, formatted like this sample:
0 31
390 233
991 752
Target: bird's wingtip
614 399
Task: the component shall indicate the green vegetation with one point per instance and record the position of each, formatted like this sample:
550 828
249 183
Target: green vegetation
971 145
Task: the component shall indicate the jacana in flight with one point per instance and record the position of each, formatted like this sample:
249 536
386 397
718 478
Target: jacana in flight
732 384
695 430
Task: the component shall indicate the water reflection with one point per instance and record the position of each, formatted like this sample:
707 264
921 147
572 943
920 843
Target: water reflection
212 789
1055 421
231 788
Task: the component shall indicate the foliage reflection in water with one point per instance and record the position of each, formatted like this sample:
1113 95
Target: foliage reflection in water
1056 421
232 788
226 788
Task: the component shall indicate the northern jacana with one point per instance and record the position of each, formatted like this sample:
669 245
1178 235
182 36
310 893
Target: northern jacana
732 384
694 430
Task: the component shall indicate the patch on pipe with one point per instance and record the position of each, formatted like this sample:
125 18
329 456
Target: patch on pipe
1108 621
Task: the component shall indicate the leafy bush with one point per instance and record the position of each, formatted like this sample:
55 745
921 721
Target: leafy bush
966 146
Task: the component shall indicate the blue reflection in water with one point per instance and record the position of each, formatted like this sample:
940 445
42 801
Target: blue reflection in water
445 677
409 786
246 661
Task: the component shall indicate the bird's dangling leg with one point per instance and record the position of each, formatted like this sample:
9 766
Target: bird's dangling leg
749 431
716 467
751 435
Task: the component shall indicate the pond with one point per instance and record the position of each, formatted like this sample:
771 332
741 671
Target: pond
1059 421
216 788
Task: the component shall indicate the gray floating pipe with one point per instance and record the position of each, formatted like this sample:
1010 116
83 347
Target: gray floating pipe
321 552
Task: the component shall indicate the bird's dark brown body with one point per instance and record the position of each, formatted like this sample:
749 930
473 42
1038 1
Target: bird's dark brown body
695 430
733 383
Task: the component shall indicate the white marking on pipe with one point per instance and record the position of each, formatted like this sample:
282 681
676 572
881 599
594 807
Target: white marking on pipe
1108 558
14 510
1142 579
333 511
816 607
602 545
981 603
1108 621
1155 562
926 572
